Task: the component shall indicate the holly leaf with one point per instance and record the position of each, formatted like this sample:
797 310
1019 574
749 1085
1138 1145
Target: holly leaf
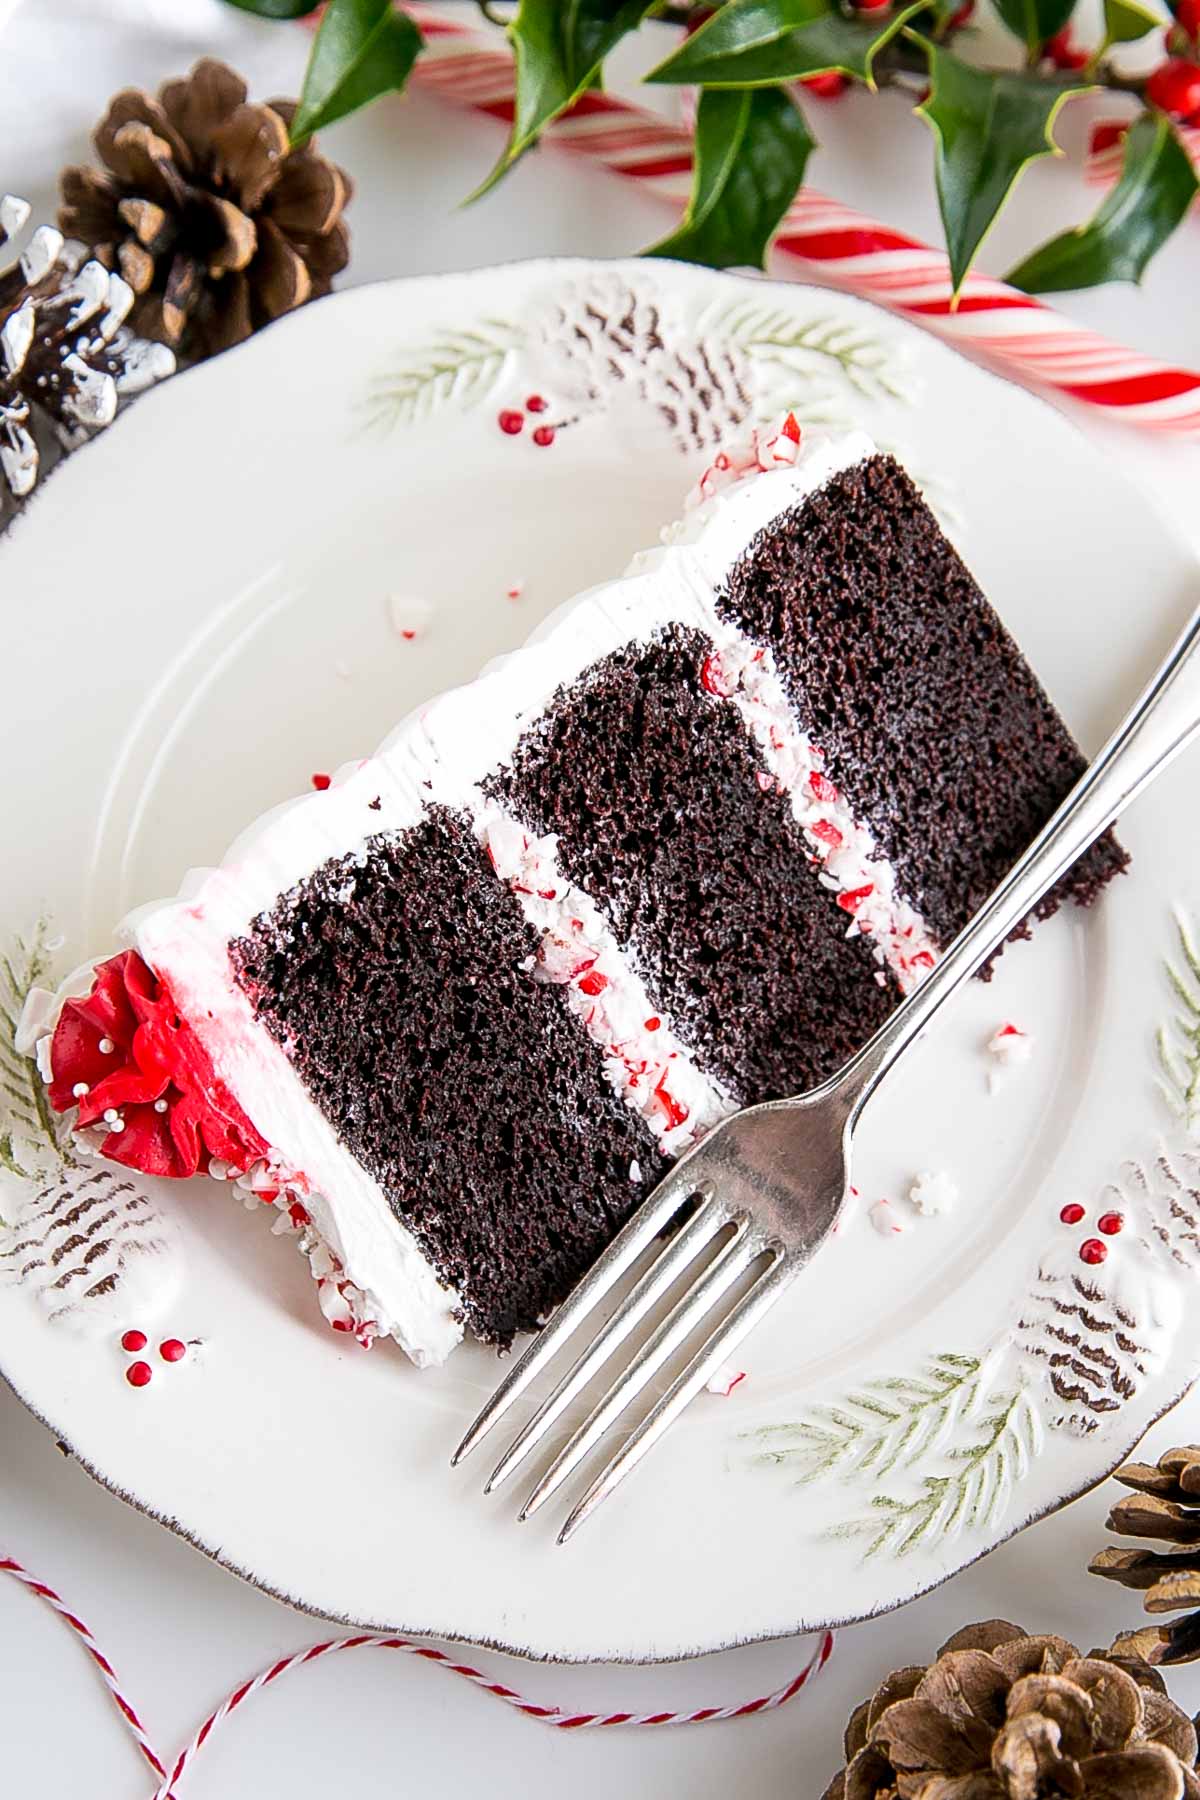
734 49
277 9
751 149
988 127
1125 21
1158 185
560 47
362 49
1035 22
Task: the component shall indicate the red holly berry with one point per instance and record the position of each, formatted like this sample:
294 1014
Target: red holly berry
827 86
543 436
1187 17
321 782
1065 54
1092 1251
1174 88
1110 1223
511 422
139 1374
172 1350
1072 1213
536 403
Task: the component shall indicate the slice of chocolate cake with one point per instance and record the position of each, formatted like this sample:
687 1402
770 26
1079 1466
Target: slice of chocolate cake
454 1016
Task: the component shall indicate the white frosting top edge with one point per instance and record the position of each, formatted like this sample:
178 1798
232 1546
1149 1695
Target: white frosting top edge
438 754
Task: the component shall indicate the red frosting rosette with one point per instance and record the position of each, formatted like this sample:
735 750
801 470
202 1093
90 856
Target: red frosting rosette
124 1050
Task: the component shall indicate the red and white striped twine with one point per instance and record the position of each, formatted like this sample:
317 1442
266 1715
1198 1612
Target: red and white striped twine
547 1715
1014 333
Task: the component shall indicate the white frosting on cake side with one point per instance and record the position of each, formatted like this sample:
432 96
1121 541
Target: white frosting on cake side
441 755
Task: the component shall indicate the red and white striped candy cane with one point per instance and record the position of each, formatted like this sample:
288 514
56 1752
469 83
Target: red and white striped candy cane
1106 148
832 244
547 1715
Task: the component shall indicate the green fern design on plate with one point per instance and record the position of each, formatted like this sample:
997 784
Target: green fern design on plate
458 368
886 1424
971 1493
813 352
27 1126
1179 1038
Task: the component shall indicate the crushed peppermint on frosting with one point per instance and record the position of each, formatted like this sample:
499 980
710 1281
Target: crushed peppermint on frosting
933 1193
643 1060
851 864
771 447
1009 1047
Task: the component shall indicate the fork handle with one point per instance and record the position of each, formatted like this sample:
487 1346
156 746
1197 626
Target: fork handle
1162 723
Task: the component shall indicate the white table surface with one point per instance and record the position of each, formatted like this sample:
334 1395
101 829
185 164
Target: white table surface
180 1630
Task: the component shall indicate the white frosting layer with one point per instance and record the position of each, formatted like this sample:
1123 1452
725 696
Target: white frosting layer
441 755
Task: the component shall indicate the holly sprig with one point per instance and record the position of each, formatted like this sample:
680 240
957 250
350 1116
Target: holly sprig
763 67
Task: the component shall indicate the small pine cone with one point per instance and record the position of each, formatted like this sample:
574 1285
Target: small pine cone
66 357
1165 1505
999 1715
206 210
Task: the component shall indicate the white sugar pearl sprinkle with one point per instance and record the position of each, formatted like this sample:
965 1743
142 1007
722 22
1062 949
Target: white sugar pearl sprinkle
80 1089
160 1106
117 1125
106 1046
110 1113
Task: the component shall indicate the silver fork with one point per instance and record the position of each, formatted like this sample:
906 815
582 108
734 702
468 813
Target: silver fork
765 1186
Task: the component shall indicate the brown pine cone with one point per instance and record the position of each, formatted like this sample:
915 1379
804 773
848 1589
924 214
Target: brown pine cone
1002 1716
1165 1504
216 223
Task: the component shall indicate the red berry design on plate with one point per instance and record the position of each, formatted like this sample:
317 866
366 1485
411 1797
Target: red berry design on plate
1072 1214
1064 53
1174 88
827 86
536 403
544 436
511 422
1110 1223
133 1341
139 1374
1092 1251
172 1350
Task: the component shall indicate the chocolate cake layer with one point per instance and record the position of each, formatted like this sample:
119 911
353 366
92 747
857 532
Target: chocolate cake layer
461 1084
927 714
653 789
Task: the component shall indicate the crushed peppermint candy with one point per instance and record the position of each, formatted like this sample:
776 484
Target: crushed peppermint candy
933 1193
887 1221
724 1379
410 614
515 589
849 862
643 1061
1010 1047
765 448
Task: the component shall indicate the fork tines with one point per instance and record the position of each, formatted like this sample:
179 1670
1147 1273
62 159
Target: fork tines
731 1243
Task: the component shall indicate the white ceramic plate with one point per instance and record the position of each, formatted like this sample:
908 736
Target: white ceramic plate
199 617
